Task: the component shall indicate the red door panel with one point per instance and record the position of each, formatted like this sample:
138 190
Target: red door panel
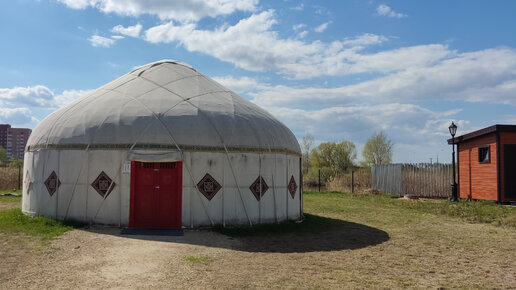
156 191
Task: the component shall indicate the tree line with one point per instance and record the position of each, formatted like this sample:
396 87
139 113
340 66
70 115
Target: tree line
331 158
14 162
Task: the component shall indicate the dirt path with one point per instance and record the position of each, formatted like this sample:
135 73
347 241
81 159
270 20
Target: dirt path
350 256
102 258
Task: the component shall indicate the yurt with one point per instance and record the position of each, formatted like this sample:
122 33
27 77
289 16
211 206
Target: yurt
163 146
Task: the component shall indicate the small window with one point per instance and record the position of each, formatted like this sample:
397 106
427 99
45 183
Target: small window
483 154
169 165
146 165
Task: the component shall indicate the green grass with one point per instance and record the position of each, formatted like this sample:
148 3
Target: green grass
336 206
359 204
14 221
196 260
10 199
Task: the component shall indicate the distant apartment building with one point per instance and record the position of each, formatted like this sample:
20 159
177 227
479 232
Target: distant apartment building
14 140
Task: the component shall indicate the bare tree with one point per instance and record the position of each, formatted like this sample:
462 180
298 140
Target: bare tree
306 148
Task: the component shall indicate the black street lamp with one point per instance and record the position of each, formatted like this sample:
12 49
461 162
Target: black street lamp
453 130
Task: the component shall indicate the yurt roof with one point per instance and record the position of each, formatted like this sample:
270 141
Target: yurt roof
165 104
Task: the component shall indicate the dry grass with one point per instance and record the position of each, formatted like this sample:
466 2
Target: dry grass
348 241
344 182
9 177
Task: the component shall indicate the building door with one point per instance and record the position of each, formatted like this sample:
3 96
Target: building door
509 163
156 191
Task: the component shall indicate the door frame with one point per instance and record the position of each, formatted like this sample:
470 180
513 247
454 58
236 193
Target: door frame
507 178
133 191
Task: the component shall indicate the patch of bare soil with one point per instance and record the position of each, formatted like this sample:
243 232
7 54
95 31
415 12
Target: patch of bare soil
16 252
9 205
432 254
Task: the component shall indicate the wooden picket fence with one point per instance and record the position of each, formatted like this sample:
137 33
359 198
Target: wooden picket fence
421 179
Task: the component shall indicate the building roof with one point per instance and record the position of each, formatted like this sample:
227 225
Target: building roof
484 131
165 104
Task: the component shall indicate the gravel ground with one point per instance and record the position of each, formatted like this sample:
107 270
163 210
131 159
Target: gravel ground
427 253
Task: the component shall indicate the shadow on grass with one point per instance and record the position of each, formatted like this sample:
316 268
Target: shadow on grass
315 233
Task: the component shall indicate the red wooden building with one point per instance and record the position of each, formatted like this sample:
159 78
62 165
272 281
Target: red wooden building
487 163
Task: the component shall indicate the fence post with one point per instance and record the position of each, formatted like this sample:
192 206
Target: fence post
352 181
19 177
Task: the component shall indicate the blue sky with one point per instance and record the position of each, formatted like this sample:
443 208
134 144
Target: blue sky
339 70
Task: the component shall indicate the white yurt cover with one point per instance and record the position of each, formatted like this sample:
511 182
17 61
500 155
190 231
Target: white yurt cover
163 105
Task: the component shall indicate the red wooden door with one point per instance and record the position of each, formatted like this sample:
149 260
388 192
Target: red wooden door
156 195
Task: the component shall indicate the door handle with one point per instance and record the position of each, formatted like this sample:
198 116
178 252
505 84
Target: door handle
157 187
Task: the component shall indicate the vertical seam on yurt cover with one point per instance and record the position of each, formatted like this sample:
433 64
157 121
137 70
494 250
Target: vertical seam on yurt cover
73 191
286 189
87 180
274 189
223 192
261 188
57 188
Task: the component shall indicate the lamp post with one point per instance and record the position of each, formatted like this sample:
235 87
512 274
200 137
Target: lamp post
453 130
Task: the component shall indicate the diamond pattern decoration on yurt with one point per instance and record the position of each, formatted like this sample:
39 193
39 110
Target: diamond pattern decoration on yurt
292 186
52 183
259 186
208 186
103 184
27 182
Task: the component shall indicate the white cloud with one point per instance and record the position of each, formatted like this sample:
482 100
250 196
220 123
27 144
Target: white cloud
133 31
418 73
321 27
100 41
240 85
298 7
16 116
298 26
252 45
364 40
385 10
180 10
78 4
37 97
408 123
418 133
302 34
169 32
68 96
509 119
351 115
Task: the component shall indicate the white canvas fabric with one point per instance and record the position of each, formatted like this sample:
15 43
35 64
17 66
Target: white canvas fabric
163 112
165 104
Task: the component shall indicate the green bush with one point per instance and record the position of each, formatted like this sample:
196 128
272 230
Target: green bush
313 174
